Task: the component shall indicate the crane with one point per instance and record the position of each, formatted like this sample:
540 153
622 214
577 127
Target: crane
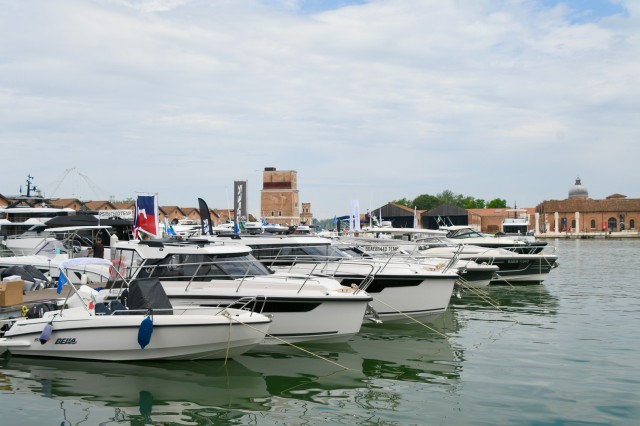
95 188
60 180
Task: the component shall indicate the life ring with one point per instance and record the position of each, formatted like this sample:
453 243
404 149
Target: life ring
116 269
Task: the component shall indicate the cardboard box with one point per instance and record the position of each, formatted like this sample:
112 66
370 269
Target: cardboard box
11 293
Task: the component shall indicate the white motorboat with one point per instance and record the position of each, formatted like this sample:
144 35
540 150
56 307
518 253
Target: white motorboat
186 227
304 308
80 238
516 224
464 234
253 227
471 274
402 290
156 331
275 228
24 244
51 252
17 220
514 267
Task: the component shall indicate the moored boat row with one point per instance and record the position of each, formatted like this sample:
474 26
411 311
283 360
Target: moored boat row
304 288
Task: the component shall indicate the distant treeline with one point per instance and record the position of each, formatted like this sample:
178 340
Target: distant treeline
428 202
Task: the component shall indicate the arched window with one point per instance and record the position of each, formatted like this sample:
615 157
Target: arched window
593 223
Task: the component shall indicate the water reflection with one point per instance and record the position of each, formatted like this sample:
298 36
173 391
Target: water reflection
528 300
175 392
393 352
371 370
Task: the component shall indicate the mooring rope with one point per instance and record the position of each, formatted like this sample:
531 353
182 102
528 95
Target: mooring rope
226 313
410 317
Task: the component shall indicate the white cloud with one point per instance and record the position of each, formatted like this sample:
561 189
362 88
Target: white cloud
373 101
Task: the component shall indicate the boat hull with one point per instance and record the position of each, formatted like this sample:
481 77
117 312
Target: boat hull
296 319
115 337
402 292
315 313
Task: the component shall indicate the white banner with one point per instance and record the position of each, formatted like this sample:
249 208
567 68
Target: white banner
122 214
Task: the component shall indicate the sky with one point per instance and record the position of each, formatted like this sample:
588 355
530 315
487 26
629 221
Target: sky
368 100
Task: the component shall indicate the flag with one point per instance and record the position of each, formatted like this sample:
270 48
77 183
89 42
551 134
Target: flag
335 219
264 221
21 189
146 214
236 228
205 218
415 217
62 280
168 229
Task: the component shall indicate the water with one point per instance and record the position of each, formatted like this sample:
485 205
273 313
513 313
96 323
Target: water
563 353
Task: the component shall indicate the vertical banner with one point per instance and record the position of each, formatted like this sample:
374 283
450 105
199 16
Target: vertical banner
240 201
354 218
205 218
146 216
415 217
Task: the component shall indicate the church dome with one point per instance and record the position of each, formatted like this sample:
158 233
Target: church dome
578 191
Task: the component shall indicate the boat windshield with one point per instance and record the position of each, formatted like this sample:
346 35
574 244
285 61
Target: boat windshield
465 233
50 248
202 267
288 254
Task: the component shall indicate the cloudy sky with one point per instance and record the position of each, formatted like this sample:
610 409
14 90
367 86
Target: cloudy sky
369 100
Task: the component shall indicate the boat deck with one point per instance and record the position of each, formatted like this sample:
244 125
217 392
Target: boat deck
31 298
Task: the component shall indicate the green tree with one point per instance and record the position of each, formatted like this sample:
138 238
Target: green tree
405 202
472 203
449 197
425 202
497 203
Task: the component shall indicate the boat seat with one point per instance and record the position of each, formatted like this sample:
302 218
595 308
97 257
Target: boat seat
102 309
117 308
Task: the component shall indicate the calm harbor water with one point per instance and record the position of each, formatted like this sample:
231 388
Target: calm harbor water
563 353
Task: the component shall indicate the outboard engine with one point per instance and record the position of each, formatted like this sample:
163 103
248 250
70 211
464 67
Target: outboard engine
38 310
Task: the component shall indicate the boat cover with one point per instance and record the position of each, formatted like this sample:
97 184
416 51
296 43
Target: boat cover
26 272
147 293
86 220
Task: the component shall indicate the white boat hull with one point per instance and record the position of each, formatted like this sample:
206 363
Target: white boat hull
312 315
316 313
423 302
400 291
78 335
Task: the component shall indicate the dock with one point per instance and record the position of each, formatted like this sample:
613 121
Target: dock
31 298
588 235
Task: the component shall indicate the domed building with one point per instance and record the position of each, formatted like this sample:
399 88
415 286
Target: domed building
578 191
581 214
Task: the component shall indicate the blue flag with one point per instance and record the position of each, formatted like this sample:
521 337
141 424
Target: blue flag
62 280
335 219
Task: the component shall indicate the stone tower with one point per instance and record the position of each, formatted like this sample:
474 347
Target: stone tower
279 196
306 217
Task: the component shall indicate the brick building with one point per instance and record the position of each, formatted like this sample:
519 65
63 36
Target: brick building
579 213
279 197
